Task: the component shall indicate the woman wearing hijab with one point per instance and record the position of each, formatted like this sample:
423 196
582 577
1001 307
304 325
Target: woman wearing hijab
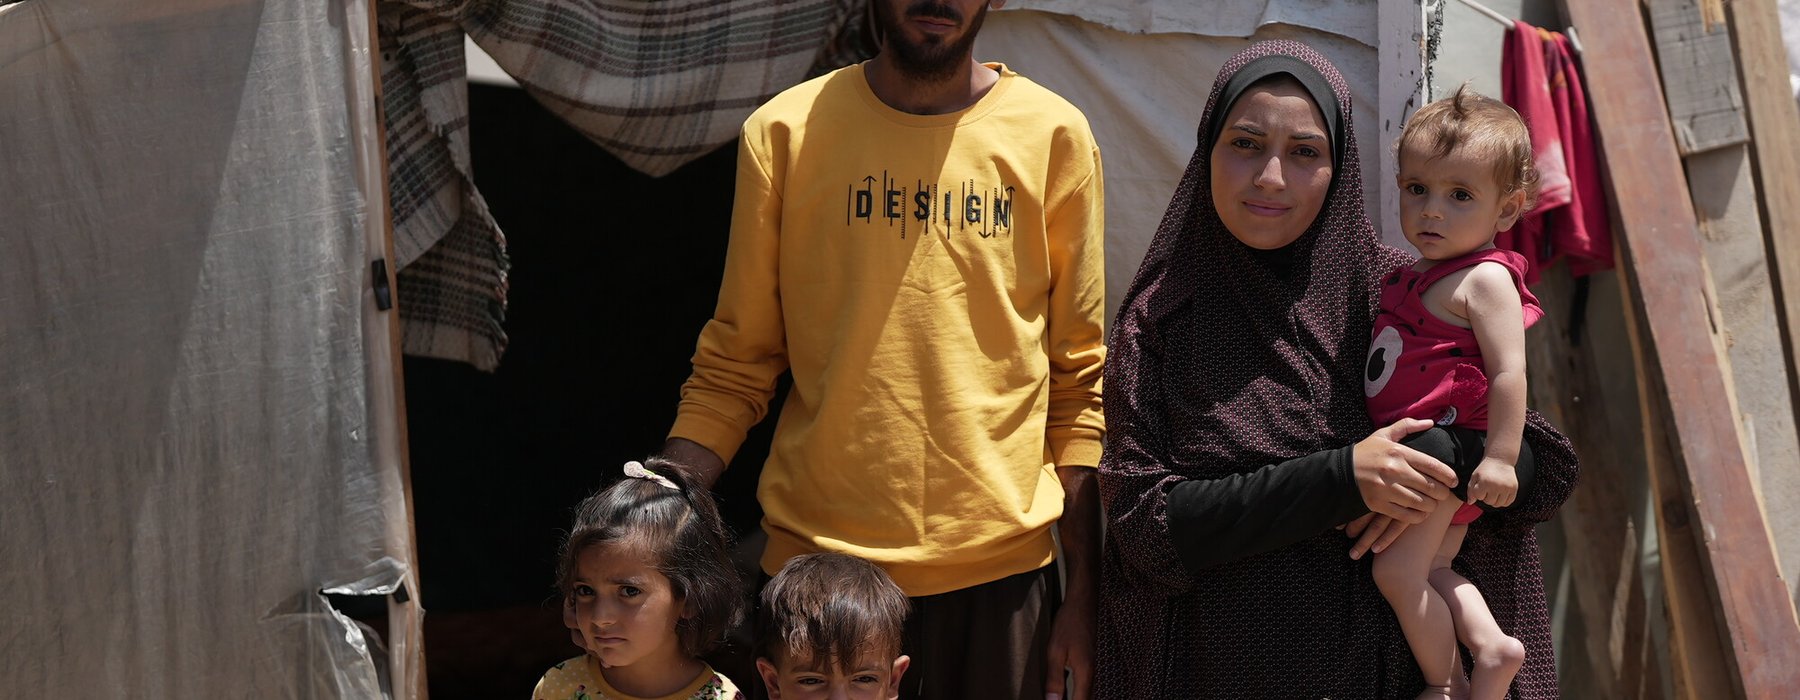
1237 439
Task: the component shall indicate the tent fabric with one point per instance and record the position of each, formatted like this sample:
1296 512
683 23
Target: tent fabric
1143 95
1238 19
657 84
1790 35
188 445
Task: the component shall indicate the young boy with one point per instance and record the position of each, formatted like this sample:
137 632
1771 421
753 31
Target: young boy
830 626
1449 346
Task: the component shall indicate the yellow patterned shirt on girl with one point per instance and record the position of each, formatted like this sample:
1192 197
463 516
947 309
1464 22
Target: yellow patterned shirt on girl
579 679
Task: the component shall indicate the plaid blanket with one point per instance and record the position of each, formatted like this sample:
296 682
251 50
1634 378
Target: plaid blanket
657 83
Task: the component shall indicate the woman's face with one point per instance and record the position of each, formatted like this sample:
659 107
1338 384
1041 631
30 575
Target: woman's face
1271 166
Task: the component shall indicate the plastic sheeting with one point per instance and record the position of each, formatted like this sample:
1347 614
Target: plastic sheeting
196 412
1354 19
1790 35
1143 95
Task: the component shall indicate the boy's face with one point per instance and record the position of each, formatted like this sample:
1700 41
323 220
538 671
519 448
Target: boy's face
871 677
1450 205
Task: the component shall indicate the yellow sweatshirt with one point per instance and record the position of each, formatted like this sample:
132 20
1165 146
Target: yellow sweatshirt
935 284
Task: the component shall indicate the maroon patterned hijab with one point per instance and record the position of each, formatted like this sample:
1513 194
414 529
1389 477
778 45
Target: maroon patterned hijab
1224 359
1279 351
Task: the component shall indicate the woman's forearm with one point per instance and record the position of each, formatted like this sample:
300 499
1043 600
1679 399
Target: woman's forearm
1215 521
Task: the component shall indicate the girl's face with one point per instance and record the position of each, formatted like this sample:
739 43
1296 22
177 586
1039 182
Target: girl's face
626 609
1271 166
1450 205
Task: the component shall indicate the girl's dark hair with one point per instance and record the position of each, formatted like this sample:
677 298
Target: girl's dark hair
682 529
822 610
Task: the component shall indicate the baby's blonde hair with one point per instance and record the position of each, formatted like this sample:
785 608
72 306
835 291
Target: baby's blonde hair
1491 129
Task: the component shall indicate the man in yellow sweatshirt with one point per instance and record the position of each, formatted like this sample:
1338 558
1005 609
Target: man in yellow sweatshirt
919 240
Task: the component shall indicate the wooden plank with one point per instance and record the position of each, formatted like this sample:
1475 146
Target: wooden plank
1699 667
1725 198
1586 391
1699 77
1630 651
1662 243
382 338
1400 63
1713 12
1775 151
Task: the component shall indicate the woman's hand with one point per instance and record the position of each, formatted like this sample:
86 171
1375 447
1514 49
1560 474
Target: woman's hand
1373 533
1494 482
1398 481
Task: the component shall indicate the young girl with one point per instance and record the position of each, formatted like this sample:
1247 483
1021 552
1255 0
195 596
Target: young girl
1449 346
647 587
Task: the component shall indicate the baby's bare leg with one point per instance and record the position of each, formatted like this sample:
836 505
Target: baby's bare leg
1497 655
1403 572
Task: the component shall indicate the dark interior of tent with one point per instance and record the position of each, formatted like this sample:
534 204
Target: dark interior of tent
613 274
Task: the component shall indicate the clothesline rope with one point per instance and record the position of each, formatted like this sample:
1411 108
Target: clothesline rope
1491 13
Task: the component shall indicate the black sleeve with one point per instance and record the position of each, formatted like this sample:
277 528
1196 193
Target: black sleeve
1217 521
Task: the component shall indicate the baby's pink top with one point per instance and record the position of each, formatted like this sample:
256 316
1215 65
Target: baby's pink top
1419 365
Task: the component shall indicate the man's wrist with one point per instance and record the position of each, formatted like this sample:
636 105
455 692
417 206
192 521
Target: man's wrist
703 464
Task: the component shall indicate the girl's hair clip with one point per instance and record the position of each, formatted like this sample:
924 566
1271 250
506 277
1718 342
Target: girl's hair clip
636 470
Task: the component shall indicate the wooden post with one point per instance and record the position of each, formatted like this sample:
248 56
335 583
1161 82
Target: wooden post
1775 153
1775 129
1721 181
1700 667
1713 490
1588 392
1400 63
1698 77
382 334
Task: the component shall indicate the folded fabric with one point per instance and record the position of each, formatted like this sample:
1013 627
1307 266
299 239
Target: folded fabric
1581 231
1540 80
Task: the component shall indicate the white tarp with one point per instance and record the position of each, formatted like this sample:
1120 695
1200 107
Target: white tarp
189 450
1143 94
1790 34
1352 19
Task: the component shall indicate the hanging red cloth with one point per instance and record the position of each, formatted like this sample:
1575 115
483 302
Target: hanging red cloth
1540 80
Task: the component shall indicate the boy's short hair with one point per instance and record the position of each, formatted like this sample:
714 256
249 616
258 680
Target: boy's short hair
825 609
1491 129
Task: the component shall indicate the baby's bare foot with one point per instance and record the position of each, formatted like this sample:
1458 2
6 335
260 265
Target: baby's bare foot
1495 665
1436 693
1459 685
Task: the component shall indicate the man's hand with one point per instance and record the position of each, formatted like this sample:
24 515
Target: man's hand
1072 647
1399 481
701 464
1072 631
1494 482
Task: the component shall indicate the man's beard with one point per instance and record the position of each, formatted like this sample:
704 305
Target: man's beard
932 60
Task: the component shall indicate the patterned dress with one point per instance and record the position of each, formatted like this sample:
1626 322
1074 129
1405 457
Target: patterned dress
1227 365
579 679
